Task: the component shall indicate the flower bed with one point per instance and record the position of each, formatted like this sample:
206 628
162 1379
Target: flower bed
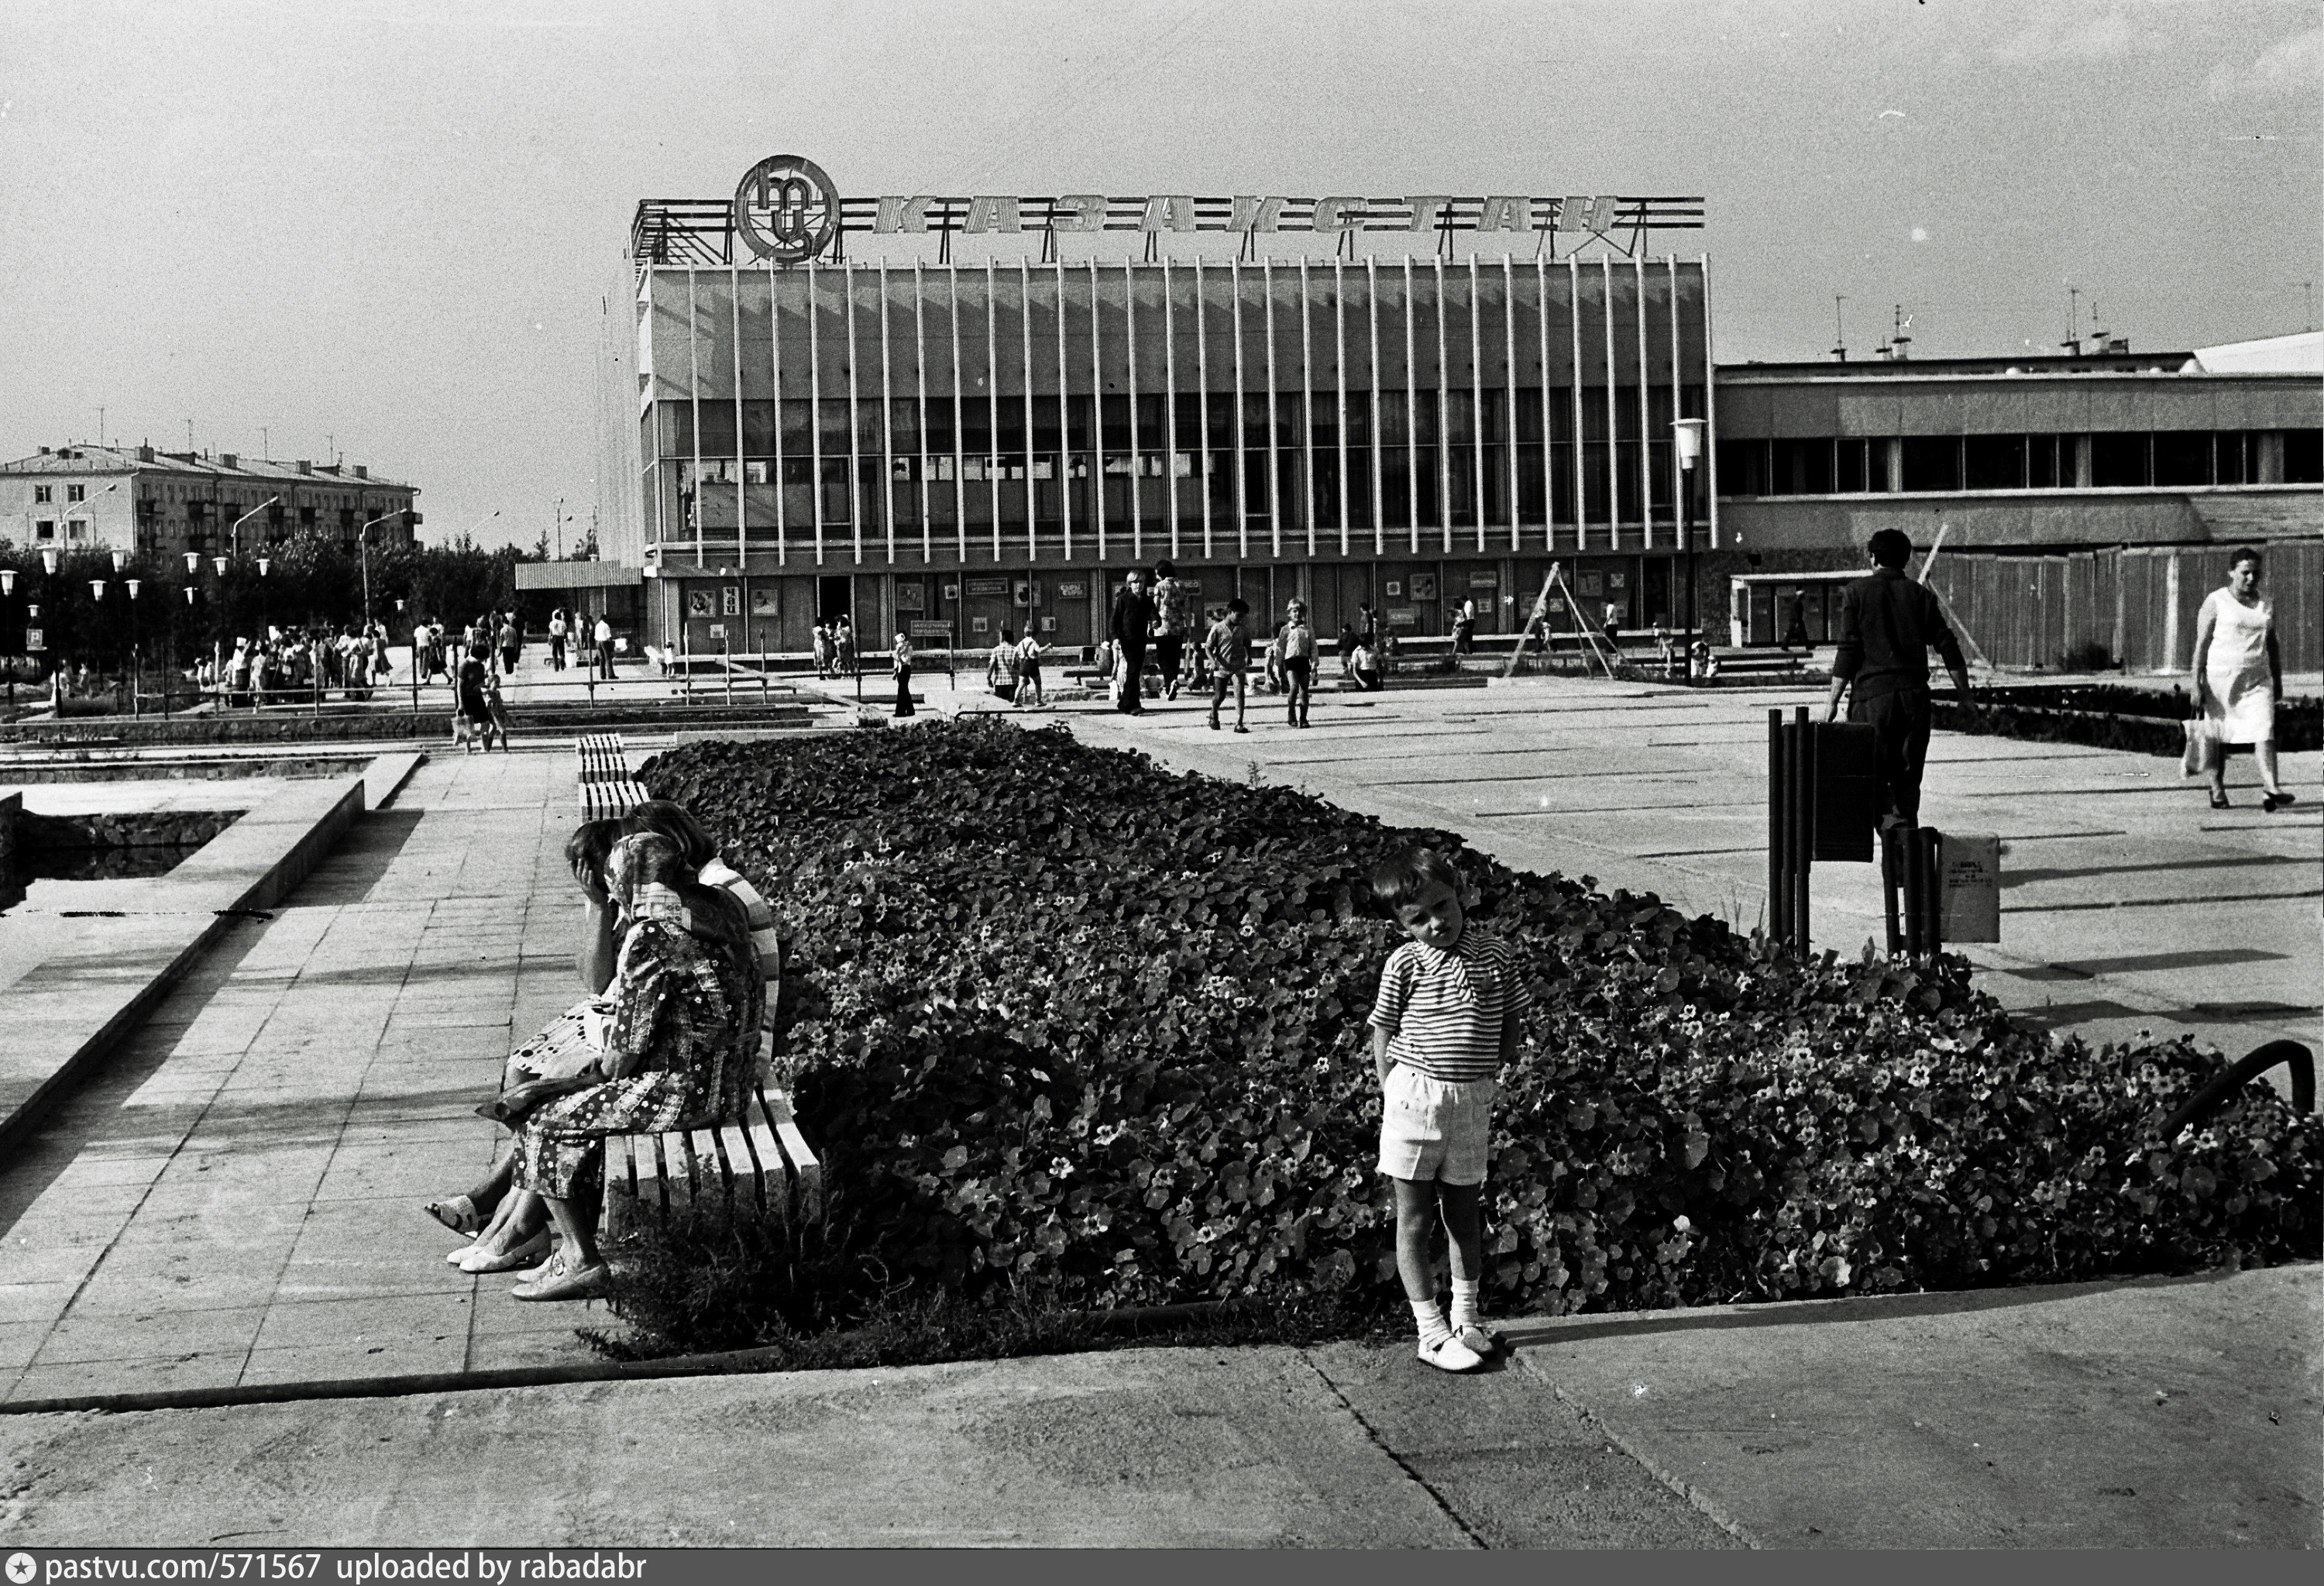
2144 721
1063 1024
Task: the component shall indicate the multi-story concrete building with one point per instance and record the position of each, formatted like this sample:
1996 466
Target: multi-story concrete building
163 504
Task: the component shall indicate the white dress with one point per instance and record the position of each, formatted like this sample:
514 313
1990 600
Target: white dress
2242 700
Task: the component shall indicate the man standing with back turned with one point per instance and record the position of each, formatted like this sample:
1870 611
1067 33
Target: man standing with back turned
1887 626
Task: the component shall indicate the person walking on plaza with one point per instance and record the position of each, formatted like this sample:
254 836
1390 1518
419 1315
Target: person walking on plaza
511 639
1445 1022
1887 626
843 646
472 715
1229 645
1000 666
820 644
556 639
1178 610
901 664
1132 620
1029 671
1464 628
2239 677
603 635
1298 643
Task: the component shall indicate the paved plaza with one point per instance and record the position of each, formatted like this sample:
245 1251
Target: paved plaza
234 1201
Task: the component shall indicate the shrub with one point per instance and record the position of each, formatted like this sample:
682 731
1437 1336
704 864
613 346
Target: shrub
1069 1029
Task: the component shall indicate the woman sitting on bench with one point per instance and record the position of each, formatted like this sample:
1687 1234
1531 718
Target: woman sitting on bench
681 1048
512 1230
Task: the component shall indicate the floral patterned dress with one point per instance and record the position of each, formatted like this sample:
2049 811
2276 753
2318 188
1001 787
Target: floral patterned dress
685 1009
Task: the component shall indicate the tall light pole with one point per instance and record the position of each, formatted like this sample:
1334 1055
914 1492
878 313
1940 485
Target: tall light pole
1686 434
234 533
363 544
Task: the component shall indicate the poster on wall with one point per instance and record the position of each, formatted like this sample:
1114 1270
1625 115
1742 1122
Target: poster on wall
698 604
1424 587
910 597
762 603
730 601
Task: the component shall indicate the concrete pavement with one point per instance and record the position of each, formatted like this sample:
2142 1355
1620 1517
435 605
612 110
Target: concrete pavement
2178 1414
235 1201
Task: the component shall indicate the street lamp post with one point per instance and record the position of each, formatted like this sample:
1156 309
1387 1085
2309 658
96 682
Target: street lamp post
363 546
1686 434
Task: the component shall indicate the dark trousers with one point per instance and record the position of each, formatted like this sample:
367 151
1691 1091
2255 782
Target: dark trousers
1300 671
1133 661
1900 747
1169 652
904 691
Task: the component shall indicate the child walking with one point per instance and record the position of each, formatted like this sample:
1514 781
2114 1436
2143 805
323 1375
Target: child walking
1229 647
1443 1025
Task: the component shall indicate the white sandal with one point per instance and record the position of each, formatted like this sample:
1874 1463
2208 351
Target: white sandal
1448 1353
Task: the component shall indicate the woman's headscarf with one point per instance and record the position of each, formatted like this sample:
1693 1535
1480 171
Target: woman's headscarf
647 879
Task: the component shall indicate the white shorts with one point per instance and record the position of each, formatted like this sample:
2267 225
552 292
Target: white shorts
1435 1128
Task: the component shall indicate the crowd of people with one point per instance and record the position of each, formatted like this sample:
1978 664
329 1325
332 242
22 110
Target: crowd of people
296 664
1165 619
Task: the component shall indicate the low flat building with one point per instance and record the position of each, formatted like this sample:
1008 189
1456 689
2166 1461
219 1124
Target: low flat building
2085 502
160 503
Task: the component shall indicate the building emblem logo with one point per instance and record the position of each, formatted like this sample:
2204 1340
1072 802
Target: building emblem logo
786 209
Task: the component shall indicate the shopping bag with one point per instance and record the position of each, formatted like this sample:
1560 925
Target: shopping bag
2202 751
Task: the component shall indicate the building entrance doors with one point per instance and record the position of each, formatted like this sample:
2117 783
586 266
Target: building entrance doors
832 598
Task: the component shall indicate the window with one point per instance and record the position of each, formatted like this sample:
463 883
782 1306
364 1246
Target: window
2118 458
43 495
1994 462
76 492
2042 453
1932 463
2182 457
2303 457
45 529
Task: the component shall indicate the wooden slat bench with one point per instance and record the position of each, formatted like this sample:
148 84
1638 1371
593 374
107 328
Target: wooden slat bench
606 788
762 1165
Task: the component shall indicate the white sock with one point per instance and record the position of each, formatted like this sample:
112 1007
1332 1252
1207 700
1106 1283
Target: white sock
1430 1321
1465 1302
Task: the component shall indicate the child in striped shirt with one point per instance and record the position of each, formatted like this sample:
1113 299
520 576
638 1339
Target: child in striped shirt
1444 1023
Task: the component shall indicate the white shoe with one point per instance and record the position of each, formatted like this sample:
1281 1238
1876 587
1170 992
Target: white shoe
1450 1354
1479 1339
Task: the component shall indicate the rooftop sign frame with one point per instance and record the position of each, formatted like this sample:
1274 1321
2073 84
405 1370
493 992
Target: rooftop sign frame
787 211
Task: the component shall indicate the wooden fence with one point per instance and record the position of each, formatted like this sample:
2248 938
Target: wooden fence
2138 604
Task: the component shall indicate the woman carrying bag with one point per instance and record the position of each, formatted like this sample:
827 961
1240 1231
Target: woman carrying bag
2238 680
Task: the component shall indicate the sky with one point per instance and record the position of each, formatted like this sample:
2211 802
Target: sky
385 230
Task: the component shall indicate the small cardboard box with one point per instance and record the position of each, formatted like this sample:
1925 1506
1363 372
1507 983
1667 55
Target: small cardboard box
1971 887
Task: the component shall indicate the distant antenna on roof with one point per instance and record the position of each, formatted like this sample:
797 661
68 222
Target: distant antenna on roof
1838 336
1898 341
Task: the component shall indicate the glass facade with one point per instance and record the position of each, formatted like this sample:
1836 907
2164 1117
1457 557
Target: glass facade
877 418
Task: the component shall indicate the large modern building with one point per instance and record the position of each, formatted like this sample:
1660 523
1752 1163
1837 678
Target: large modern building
951 446
1369 401
163 504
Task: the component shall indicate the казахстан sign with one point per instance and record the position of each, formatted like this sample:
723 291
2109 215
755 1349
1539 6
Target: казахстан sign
786 209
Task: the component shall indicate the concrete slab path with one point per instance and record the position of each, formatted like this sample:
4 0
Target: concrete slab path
236 1198
2178 1415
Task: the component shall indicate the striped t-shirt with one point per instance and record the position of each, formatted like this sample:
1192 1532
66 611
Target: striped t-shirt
1444 1009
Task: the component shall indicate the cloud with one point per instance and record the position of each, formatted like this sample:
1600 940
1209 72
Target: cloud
2292 65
